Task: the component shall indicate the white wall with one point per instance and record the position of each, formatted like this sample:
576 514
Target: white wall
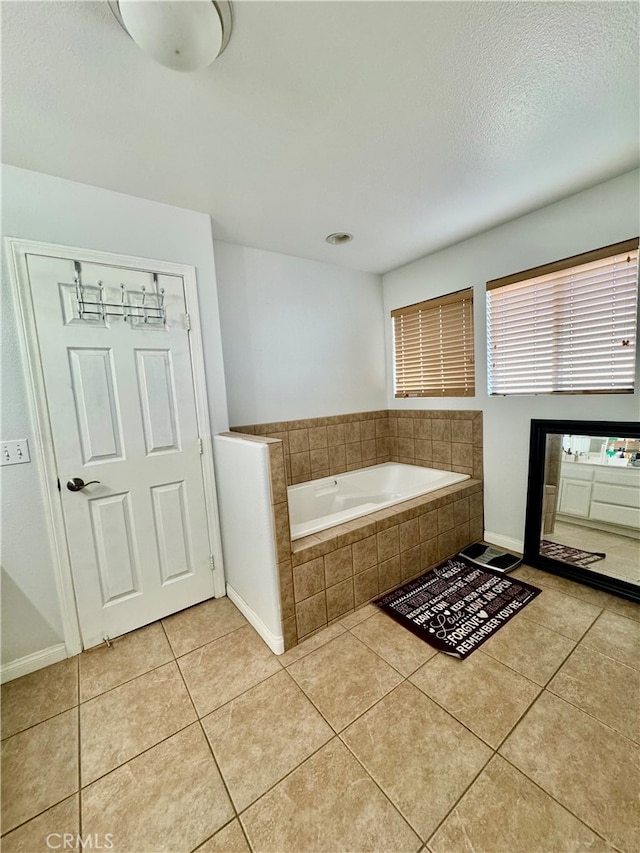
605 214
40 207
301 338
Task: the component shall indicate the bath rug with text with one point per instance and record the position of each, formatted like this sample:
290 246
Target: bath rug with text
457 606
567 554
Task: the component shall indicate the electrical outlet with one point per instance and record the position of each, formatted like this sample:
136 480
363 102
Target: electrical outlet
14 452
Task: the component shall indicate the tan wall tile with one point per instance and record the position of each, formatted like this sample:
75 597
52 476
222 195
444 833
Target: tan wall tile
441 430
409 534
311 614
447 544
298 440
367 430
369 450
406 447
285 580
383 429
462 535
365 586
462 431
354 531
388 543
317 437
478 468
461 511
340 599
319 460
282 531
445 518
365 553
389 574
335 434
410 563
353 454
476 528
278 475
441 452
300 466
462 454
478 434
309 548
429 553
308 579
423 450
352 432
405 427
284 438
289 633
428 525
337 457
383 446
422 428
338 565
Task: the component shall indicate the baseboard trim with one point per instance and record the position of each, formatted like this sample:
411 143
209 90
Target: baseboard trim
32 662
275 643
504 541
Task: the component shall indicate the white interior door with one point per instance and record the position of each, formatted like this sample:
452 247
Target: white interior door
122 412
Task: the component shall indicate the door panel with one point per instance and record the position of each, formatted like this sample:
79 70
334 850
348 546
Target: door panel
122 411
157 397
171 518
96 411
113 535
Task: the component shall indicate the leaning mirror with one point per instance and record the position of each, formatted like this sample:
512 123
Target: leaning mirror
583 503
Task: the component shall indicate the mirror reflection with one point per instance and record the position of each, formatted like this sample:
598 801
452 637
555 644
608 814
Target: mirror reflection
591 504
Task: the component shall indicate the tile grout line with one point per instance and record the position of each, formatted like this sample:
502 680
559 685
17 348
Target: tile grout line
39 814
388 692
526 775
555 671
39 723
213 757
335 734
382 791
555 800
333 737
615 731
208 642
173 658
462 795
446 710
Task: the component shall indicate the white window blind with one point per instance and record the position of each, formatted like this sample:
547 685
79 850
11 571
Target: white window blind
433 347
567 327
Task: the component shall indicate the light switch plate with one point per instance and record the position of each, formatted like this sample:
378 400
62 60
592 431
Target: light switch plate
14 452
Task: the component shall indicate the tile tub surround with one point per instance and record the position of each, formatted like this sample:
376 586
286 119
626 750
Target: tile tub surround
342 568
322 447
324 576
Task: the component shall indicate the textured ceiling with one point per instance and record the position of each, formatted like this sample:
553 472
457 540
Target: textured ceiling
410 124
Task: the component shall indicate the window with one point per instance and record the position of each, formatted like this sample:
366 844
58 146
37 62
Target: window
433 347
565 328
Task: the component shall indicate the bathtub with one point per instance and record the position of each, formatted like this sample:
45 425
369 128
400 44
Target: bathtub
320 504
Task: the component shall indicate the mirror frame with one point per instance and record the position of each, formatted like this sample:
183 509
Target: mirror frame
540 429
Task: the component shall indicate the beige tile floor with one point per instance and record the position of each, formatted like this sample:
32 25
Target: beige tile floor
191 735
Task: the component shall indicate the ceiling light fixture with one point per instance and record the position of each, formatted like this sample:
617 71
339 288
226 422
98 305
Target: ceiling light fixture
339 238
185 35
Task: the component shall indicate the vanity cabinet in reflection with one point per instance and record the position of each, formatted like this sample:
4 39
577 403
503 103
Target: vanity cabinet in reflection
606 495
